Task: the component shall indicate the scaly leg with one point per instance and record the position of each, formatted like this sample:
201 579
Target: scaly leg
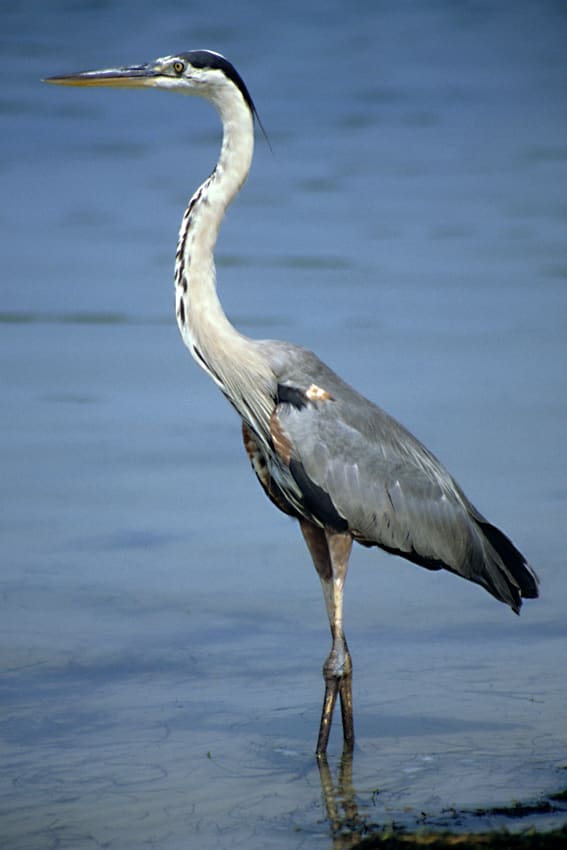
330 552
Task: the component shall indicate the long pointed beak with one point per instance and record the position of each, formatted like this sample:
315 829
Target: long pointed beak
132 76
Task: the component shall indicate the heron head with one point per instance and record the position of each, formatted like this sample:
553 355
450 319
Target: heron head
200 72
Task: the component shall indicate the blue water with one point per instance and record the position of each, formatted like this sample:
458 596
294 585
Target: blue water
162 627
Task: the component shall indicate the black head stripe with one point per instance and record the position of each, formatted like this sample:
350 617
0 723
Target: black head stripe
209 59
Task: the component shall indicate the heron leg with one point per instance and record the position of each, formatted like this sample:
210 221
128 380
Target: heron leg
330 552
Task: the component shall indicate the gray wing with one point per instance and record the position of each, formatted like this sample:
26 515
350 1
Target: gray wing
360 470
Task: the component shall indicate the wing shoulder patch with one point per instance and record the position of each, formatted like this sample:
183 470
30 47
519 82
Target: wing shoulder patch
298 398
315 393
315 503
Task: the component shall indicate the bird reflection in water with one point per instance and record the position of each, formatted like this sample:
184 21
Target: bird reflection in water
339 798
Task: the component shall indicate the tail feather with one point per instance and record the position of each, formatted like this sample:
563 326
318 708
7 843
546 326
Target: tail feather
511 576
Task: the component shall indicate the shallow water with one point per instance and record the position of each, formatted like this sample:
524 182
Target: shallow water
162 628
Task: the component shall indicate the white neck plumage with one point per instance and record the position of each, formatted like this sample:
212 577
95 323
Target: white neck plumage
231 359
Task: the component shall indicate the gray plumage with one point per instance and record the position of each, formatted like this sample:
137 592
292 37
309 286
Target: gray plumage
322 452
391 491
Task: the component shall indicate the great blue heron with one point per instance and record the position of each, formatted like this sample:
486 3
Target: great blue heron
323 454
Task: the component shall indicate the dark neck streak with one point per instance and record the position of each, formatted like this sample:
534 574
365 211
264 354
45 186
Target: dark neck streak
232 360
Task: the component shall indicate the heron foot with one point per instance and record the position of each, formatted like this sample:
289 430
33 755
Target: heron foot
337 672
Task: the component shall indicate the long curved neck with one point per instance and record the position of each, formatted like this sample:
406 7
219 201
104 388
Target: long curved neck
231 359
200 316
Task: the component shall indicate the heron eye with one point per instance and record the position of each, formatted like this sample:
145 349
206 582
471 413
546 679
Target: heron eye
178 67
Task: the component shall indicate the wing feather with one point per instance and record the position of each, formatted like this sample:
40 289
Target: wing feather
387 488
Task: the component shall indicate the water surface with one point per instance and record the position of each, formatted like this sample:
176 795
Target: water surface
162 627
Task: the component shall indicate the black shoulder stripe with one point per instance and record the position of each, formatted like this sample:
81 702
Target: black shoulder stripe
290 395
315 500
